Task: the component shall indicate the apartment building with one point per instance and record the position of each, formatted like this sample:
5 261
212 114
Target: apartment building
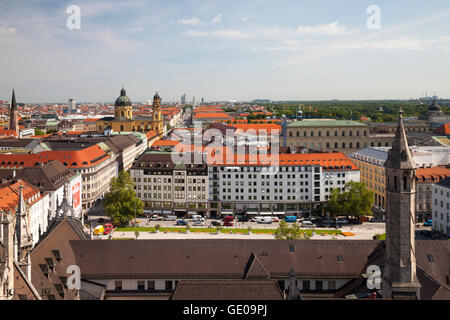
441 207
288 184
166 187
335 135
430 160
36 206
97 164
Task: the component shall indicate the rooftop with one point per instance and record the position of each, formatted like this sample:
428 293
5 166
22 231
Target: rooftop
326 123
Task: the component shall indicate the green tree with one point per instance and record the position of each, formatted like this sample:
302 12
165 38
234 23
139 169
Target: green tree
121 203
284 232
356 201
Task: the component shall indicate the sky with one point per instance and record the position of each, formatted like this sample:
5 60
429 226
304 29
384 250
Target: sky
224 50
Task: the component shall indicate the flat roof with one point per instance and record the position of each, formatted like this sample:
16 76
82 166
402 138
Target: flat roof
326 123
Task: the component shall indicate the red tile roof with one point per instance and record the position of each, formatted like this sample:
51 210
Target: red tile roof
328 161
211 115
9 196
74 159
433 174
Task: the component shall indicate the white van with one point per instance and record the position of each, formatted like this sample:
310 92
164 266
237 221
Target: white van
170 218
197 217
307 224
265 220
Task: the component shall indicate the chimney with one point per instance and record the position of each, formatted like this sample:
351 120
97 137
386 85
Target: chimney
14 173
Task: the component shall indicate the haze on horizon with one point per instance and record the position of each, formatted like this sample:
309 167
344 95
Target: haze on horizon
234 50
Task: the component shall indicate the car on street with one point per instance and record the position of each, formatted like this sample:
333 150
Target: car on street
275 219
198 223
215 224
242 218
181 222
426 233
265 220
170 218
290 219
155 218
342 221
428 223
228 221
307 224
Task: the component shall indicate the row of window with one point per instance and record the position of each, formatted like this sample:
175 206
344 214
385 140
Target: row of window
327 133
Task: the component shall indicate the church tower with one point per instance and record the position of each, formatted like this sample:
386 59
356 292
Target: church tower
157 121
399 276
14 115
123 107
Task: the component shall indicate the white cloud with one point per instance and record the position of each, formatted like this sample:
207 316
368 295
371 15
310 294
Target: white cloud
226 33
218 18
230 33
333 28
5 30
193 21
195 33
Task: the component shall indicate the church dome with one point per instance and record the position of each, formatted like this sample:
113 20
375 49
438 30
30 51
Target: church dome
434 106
123 100
156 96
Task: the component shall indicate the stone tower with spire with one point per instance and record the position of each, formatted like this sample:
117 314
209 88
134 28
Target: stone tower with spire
157 120
14 115
399 276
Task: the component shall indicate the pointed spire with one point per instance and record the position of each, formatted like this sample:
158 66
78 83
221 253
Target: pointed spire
400 155
13 101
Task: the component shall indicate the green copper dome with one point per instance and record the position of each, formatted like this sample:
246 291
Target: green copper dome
123 100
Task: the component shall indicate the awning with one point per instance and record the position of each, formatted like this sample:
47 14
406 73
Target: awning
266 213
252 212
167 212
157 211
281 213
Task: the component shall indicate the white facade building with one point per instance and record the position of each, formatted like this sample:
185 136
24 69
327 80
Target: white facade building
441 207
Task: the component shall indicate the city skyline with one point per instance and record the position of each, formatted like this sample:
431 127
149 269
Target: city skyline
223 51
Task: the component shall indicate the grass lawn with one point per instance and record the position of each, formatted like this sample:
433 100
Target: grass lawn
223 230
381 236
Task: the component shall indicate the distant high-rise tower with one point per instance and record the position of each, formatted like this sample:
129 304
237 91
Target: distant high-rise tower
157 120
72 105
14 115
203 100
183 99
399 277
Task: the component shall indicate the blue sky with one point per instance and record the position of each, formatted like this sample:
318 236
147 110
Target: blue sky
280 50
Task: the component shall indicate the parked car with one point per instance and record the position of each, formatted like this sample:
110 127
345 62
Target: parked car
290 219
255 219
198 223
215 224
342 221
181 222
242 218
196 217
265 220
155 218
170 218
426 233
275 219
428 223
307 224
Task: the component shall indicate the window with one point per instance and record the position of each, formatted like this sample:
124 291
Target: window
118 285
319 285
168 285
331 285
430 258
141 285
306 285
